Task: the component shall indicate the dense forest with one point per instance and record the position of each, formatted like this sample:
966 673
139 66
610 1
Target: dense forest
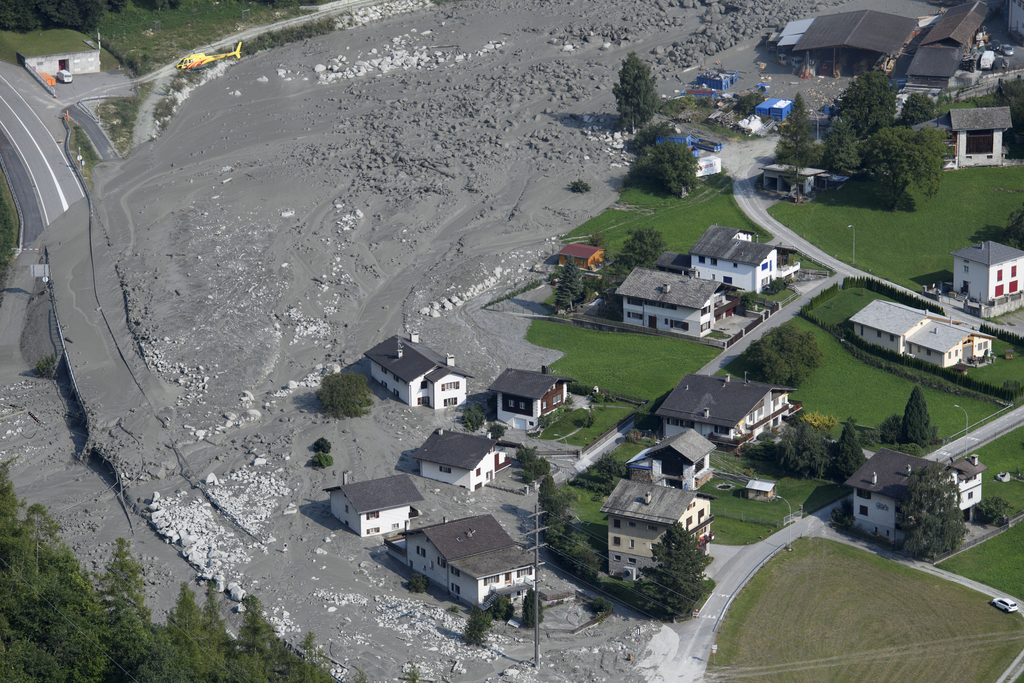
62 624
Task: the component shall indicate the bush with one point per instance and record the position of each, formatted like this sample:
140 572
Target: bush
890 429
600 605
820 421
322 461
497 429
534 467
778 284
579 186
588 421
992 510
473 417
842 515
418 583
47 366
321 445
502 609
344 394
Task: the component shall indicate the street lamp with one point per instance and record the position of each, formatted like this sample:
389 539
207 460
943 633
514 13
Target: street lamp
790 547
967 425
854 262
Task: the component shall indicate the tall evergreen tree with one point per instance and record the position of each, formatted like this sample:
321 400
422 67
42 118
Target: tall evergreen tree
636 98
477 626
122 589
930 510
528 611
849 454
679 572
917 424
570 284
839 152
796 148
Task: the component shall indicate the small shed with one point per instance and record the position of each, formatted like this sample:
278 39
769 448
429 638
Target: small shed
586 256
760 489
775 108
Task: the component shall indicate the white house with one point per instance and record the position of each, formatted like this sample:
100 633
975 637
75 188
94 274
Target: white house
524 396
474 559
726 411
682 460
919 333
416 375
734 257
378 506
463 459
988 270
881 483
670 301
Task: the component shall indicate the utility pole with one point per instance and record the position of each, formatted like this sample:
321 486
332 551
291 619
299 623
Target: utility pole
537 528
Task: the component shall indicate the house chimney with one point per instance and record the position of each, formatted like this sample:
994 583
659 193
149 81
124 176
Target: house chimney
647 498
414 337
727 379
668 287
400 349
707 412
449 360
874 478
488 435
344 477
974 459
469 534
440 432
544 370
909 470
444 519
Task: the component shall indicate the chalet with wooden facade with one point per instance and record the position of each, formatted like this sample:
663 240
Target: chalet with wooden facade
682 460
585 256
525 395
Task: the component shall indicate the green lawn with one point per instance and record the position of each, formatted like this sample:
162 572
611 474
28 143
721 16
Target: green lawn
1001 369
996 562
681 221
847 303
49 42
830 612
1005 454
886 239
632 364
605 418
845 387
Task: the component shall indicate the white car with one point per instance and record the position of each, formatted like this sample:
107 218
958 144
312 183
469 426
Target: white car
1005 605
64 76
1008 50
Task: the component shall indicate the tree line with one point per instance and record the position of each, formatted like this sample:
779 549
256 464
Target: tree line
60 622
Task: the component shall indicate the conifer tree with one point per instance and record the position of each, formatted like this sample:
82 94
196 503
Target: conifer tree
477 626
528 612
917 425
850 455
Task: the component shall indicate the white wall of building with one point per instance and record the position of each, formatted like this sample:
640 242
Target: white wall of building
466 478
1015 15
441 393
409 393
880 518
390 520
984 280
748 277
698 324
392 384
87 61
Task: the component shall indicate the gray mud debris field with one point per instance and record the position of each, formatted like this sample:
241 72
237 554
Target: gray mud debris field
300 207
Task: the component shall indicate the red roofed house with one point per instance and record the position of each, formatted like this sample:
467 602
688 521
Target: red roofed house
585 255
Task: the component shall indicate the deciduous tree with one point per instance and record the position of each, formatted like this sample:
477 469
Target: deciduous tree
796 148
803 449
636 97
902 158
785 355
917 109
839 152
917 424
678 576
344 394
641 249
931 517
869 104
669 164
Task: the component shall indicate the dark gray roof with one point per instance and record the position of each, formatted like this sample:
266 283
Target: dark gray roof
720 242
666 507
889 469
467 537
494 562
380 494
968 469
728 402
455 449
935 62
988 253
688 444
672 261
958 24
416 359
980 118
668 288
864 30
526 382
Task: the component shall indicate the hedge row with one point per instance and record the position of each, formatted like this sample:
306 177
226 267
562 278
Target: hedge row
1004 335
894 293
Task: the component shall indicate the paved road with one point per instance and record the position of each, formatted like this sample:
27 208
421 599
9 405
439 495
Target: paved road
53 181
100 142
24 192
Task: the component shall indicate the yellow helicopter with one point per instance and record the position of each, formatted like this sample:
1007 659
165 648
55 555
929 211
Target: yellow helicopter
198 59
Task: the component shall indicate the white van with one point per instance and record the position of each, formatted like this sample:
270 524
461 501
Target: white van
64 76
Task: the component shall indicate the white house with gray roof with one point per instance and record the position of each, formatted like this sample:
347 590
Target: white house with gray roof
462 459
525 395
378 506
670 301
735 257
988 271
682 460
724 410
977 134
417 375
919 333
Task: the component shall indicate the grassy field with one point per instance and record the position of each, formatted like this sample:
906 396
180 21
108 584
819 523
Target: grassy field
574 422
848 302
49 42
632 364
681 221
1005 454
829 612
845 387
118 118
936 227
130 33
81 145
996 562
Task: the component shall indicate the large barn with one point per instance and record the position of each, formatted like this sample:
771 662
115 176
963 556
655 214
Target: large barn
847 44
